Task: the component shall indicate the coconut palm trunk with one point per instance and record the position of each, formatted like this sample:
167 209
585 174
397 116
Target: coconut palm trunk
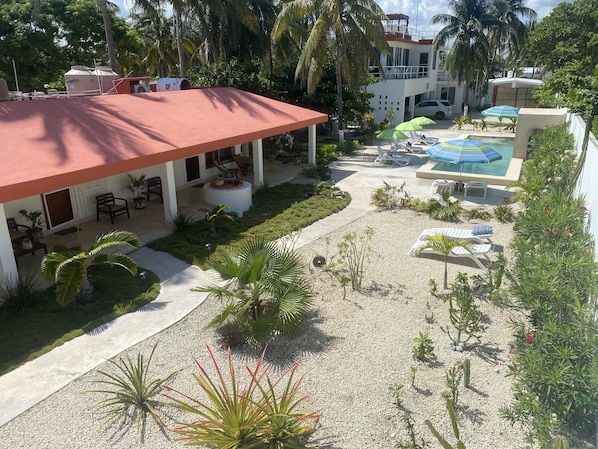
103 6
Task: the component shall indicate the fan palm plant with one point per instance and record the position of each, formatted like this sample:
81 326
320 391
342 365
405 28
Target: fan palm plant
265 291
444 245
68 267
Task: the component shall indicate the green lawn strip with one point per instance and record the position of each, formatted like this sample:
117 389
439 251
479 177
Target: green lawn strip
45 325
276 211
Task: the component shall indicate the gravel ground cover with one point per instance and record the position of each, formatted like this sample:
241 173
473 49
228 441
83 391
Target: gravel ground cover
351 351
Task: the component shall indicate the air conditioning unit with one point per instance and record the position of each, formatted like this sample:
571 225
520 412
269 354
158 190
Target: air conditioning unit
141 88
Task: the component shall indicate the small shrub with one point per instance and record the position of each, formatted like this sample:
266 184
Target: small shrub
461 121
261 414
445 208
182 221
445 444
423 348
130 387
390 196
464 314
453 378
327 154
17 296
354 255
396 394
417 205
415 440
504 213
350 147
478 213
414 370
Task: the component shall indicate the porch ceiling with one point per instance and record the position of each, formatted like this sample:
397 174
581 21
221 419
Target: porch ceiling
50 144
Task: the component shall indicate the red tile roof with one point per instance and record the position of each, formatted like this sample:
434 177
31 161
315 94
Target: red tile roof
50 144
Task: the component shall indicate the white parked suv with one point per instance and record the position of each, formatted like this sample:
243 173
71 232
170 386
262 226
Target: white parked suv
438 109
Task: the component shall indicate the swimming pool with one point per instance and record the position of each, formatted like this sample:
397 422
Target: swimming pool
502 145
502 172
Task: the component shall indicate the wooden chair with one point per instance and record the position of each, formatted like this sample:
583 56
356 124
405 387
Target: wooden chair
106 204
15 231
154 186
244 164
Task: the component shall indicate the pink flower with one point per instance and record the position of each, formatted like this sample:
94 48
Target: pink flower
583 208
529 338
569 232
547 209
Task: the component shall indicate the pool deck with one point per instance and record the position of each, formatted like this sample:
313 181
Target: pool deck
513 172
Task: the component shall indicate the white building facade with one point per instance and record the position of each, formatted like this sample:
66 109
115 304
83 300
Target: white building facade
412 73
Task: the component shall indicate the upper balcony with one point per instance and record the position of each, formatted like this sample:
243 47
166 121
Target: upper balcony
402 72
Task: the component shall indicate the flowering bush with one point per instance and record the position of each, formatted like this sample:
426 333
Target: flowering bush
285 141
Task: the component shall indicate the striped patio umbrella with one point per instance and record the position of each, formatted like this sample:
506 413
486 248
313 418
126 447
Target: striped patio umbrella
464 151
501 112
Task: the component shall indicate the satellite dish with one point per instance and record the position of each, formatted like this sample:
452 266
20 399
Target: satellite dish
319 261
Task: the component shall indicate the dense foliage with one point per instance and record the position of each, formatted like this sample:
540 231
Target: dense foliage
554 279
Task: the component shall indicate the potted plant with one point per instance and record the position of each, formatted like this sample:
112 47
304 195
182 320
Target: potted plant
137 187
284 142
35 219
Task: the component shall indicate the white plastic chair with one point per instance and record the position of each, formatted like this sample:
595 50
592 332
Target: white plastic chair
473 185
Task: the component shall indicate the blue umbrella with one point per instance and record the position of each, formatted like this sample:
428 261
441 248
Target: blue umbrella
501 112
464 151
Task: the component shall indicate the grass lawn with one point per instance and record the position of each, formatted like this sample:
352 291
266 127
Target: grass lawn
276 211
45 325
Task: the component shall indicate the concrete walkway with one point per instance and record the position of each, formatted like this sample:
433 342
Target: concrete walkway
39 378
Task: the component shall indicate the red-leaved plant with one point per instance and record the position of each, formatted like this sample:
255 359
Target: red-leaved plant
263 414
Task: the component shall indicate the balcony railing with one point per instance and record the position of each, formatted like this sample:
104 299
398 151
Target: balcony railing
402 72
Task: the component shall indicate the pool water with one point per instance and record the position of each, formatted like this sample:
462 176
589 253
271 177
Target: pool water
502 145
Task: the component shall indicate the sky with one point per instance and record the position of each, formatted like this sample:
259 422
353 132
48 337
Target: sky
420 12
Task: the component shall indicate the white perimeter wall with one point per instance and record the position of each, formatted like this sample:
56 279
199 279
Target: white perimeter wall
587 185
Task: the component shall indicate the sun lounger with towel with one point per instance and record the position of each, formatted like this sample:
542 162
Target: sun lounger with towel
476 235
474 252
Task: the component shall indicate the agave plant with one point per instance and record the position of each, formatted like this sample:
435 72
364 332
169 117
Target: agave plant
130 387
68 267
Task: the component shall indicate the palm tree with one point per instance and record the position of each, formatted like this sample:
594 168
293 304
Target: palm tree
444 245
349 32
510 38
68 267
103 6
265 291
471 48
155 33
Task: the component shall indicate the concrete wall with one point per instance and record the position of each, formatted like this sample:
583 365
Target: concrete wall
530 120
587 183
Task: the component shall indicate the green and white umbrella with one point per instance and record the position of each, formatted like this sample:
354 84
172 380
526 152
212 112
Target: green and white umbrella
408 126
422 121
392 134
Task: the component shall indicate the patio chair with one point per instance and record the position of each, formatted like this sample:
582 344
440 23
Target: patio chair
413 149
244 164
478 234
154 186
473 253
106 203
17 231
228 174
475 185
387 157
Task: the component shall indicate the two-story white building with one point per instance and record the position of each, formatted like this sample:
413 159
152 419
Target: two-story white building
412 73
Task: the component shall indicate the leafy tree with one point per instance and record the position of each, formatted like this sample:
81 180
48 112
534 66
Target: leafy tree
265 290
68 267
351 31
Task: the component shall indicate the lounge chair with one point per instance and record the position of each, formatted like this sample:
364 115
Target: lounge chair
387 157
244 164
422 139
227 173
478 234
475 185
413 149
474 252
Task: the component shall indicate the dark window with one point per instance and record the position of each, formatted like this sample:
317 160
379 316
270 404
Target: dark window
222 156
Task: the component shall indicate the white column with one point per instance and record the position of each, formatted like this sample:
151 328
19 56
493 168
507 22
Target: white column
258 163
7 256
237 149
169 191
311 145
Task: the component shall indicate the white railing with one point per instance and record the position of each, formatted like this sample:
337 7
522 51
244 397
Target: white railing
402 72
